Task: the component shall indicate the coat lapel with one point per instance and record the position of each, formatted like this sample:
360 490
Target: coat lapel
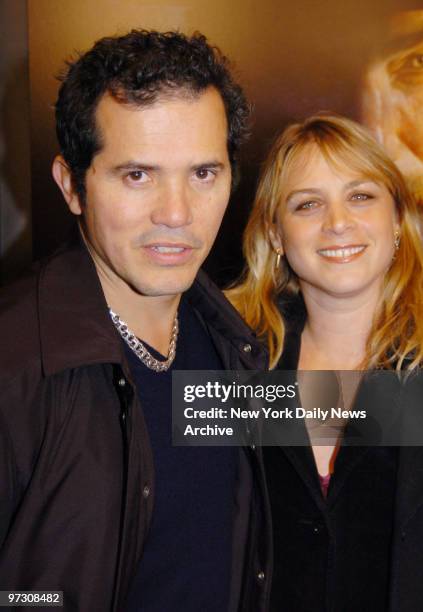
409 495
302 460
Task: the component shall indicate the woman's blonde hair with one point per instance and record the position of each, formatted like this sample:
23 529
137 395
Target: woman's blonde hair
397 331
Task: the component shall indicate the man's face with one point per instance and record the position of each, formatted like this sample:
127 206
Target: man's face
157 190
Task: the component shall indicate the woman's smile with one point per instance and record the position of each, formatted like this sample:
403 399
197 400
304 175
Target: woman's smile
342 254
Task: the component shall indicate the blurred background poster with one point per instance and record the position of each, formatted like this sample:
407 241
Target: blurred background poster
360 58
392 99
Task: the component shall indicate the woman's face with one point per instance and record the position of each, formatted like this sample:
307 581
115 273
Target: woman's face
336 227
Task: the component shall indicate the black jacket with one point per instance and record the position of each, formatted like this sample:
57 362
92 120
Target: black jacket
406 559
75 459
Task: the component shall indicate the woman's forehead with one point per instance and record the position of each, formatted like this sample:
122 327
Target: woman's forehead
311 158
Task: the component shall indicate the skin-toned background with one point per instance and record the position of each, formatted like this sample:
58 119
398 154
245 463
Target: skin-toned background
293 59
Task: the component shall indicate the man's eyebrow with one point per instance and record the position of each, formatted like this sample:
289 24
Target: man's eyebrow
132 165
208 164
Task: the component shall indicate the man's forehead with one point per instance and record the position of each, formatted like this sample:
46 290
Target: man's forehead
111 108
177 127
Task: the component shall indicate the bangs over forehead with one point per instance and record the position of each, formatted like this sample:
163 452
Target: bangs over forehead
344 148
344 144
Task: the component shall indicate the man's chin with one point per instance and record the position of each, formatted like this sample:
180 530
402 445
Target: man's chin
162 289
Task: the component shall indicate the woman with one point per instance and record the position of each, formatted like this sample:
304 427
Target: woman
334 281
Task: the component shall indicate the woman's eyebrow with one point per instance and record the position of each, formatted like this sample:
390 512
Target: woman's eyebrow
305 191
359 182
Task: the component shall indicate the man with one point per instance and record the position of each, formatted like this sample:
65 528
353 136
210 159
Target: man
393 95
95 500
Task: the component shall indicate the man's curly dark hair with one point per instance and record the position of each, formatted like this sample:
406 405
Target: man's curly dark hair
137 69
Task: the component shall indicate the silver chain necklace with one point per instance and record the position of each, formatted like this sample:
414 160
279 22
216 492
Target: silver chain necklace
140 350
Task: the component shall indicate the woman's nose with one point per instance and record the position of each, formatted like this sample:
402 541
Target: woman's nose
338 218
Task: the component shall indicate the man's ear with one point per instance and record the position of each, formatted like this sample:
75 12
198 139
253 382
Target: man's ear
275 239
63 177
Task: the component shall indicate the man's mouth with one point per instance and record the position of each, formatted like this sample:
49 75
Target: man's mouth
169 254
342 254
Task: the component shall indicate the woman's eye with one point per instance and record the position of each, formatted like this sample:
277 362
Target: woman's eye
361 197
309 205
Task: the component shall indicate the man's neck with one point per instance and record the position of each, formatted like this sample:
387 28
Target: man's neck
150 318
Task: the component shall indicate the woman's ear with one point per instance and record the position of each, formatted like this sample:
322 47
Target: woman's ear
63 177
275 239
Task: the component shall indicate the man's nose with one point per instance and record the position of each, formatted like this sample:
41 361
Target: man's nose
338 218
174 206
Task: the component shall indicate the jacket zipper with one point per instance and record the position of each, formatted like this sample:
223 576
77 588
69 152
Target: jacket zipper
123 418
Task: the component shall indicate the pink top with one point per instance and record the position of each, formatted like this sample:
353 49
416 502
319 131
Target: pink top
324 484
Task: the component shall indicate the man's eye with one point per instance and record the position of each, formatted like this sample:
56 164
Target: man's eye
205 174
137 176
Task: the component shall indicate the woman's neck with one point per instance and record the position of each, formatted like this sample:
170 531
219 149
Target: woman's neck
336 331
334 338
